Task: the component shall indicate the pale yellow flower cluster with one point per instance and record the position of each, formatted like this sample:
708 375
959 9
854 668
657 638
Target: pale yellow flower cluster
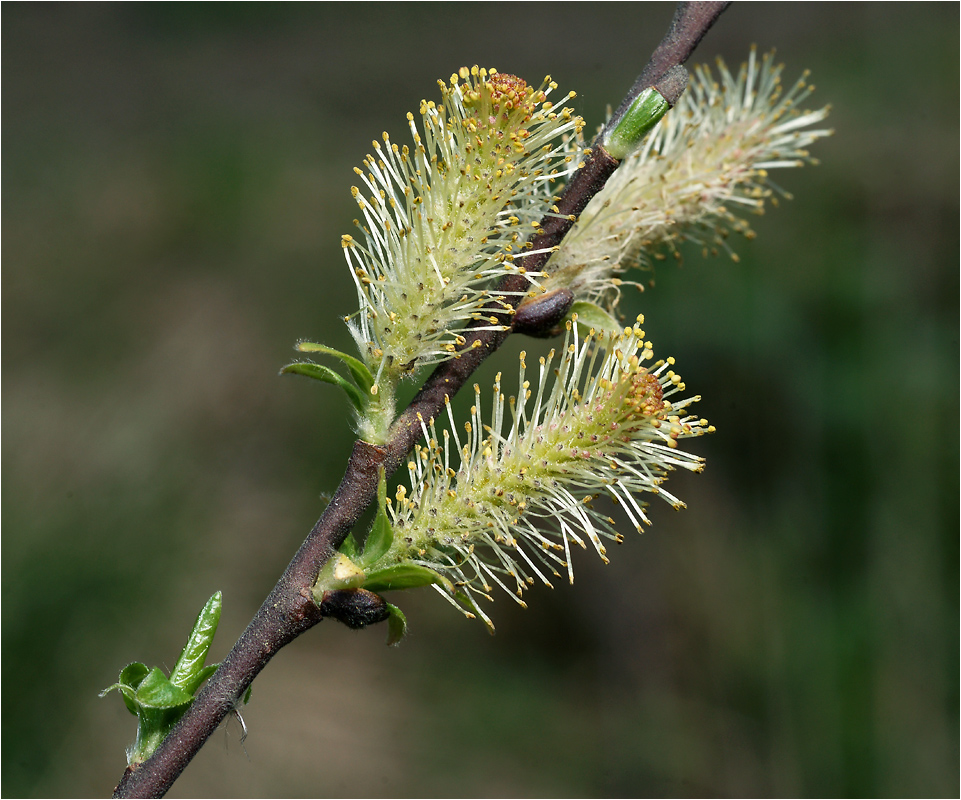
707 161
444 218
502 503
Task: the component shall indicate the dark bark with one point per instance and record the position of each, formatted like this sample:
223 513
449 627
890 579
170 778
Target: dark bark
290 610
690 23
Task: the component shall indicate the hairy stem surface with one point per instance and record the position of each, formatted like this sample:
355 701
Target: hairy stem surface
289 610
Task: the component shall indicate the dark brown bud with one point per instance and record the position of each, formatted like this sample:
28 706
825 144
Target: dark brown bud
539 316
356 608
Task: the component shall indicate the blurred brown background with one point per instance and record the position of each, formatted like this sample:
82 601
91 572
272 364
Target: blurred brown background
175 182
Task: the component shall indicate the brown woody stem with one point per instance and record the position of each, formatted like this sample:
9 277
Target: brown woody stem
289 610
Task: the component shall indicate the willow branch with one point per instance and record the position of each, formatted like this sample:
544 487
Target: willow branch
690 24
290 610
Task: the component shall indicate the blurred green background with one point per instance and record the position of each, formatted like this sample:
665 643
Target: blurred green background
175 182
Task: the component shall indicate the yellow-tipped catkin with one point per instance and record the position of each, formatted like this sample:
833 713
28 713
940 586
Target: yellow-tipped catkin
499 503
445 217
707 161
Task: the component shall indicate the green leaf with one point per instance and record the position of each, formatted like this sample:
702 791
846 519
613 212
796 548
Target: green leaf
126 692
200 677
350 548
396 625
130 678
461 597
402 576
358 369
158 701
191 662
381 534
590 315
133 674
327 375
157 692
